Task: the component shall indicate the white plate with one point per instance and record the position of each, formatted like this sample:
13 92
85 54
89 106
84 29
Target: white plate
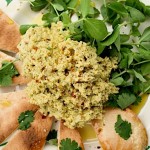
22 14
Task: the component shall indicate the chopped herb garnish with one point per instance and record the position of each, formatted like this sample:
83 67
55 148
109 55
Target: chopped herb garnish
67 144
7 72
125 100
123 128
25 119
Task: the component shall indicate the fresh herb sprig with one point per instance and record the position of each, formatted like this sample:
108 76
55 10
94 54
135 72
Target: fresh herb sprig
123 128
25 119
132 50
7 72
69 144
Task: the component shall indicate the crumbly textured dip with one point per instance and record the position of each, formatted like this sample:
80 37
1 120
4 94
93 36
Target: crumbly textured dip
69 80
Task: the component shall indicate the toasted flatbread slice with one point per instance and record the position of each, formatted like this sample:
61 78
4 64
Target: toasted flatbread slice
9 33
110 140
33 138
17 80
11 105
73 134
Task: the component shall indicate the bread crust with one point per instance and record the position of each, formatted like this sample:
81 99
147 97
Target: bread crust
11 105
73 134
17 80
33 138
9 33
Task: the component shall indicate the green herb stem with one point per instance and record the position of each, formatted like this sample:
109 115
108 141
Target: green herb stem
123 72
142 62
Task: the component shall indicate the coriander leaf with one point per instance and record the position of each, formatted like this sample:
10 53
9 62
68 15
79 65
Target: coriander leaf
7 72
72 4
49 18
3 144
145 87
85 7
138 100
100 48
147 10
118 8
136 15
117 43
124 38
130 59
145 68
145 36
24 28
67 144
112 37
142 54
38 5
111 103
145 45
96 28
58 6
123 128
65 18
117 81
93 12
52 135
104 12
25 119
116 21
135 31
125 100
8 2
124 61
139 76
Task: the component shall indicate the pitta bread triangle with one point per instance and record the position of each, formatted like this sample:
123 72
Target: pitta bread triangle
9 33
11 105
108 137
73 134
33 138
17 80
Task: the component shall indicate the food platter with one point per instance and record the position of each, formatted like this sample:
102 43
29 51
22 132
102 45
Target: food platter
22 14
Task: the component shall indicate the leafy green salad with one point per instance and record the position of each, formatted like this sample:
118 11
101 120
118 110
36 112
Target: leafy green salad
131 49
103 27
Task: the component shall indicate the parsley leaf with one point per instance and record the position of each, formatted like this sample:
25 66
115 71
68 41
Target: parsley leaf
125 100
25 119
67 144
7 72
123 128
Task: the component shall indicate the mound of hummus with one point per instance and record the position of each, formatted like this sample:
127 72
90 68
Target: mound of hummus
69 80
